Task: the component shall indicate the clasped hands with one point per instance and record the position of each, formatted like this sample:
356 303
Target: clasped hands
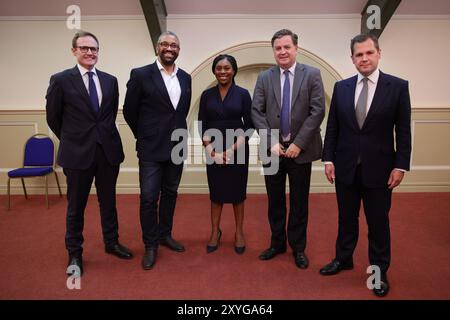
222 158
291 152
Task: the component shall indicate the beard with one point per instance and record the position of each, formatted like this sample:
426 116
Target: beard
167 60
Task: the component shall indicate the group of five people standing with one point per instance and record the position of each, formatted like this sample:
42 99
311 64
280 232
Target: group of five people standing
287 110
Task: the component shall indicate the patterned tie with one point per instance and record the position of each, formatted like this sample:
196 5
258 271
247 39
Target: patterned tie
93 93
361 104
285 106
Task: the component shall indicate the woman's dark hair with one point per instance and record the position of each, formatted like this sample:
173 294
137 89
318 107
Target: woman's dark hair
230 59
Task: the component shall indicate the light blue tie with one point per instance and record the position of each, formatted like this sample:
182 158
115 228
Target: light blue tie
93 96
285 106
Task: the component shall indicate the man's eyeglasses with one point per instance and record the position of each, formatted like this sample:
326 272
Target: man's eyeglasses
84 49
166 45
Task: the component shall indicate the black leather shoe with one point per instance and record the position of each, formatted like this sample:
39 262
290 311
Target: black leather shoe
384 287
75 265
301 260
335 267
170 243
149 258
119 251
210 248
270 253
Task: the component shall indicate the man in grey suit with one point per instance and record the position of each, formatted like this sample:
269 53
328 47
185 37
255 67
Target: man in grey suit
296 114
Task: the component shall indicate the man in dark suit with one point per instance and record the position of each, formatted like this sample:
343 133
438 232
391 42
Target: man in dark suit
81 109
361 157
298 114
156 105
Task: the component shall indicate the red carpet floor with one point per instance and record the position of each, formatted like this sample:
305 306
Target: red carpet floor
33 258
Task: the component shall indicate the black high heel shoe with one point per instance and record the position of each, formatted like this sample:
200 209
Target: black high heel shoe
239 250
210 248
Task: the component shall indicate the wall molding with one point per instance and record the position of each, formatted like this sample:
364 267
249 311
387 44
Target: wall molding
414 123
349 16
426 177
20 123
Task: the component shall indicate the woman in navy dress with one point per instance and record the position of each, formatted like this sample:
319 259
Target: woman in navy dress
226 106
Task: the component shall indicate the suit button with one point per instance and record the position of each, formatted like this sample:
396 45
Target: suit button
278 115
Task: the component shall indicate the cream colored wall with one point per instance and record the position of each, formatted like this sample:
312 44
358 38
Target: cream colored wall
34 50
412 47
37 49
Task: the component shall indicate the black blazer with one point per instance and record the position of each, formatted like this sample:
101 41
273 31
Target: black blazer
72 119
374 142
151 115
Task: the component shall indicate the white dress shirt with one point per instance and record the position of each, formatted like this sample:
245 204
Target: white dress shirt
172 84
371 86
85 77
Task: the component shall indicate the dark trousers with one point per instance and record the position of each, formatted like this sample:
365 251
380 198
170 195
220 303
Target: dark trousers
158 180
299 181
377 203
78 187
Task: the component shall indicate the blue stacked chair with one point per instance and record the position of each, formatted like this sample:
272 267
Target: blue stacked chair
38 161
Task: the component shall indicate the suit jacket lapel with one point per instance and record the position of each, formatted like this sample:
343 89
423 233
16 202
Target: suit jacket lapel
183 86
105 86
298 79
350 101
276 84
78 83
378 97
159 82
